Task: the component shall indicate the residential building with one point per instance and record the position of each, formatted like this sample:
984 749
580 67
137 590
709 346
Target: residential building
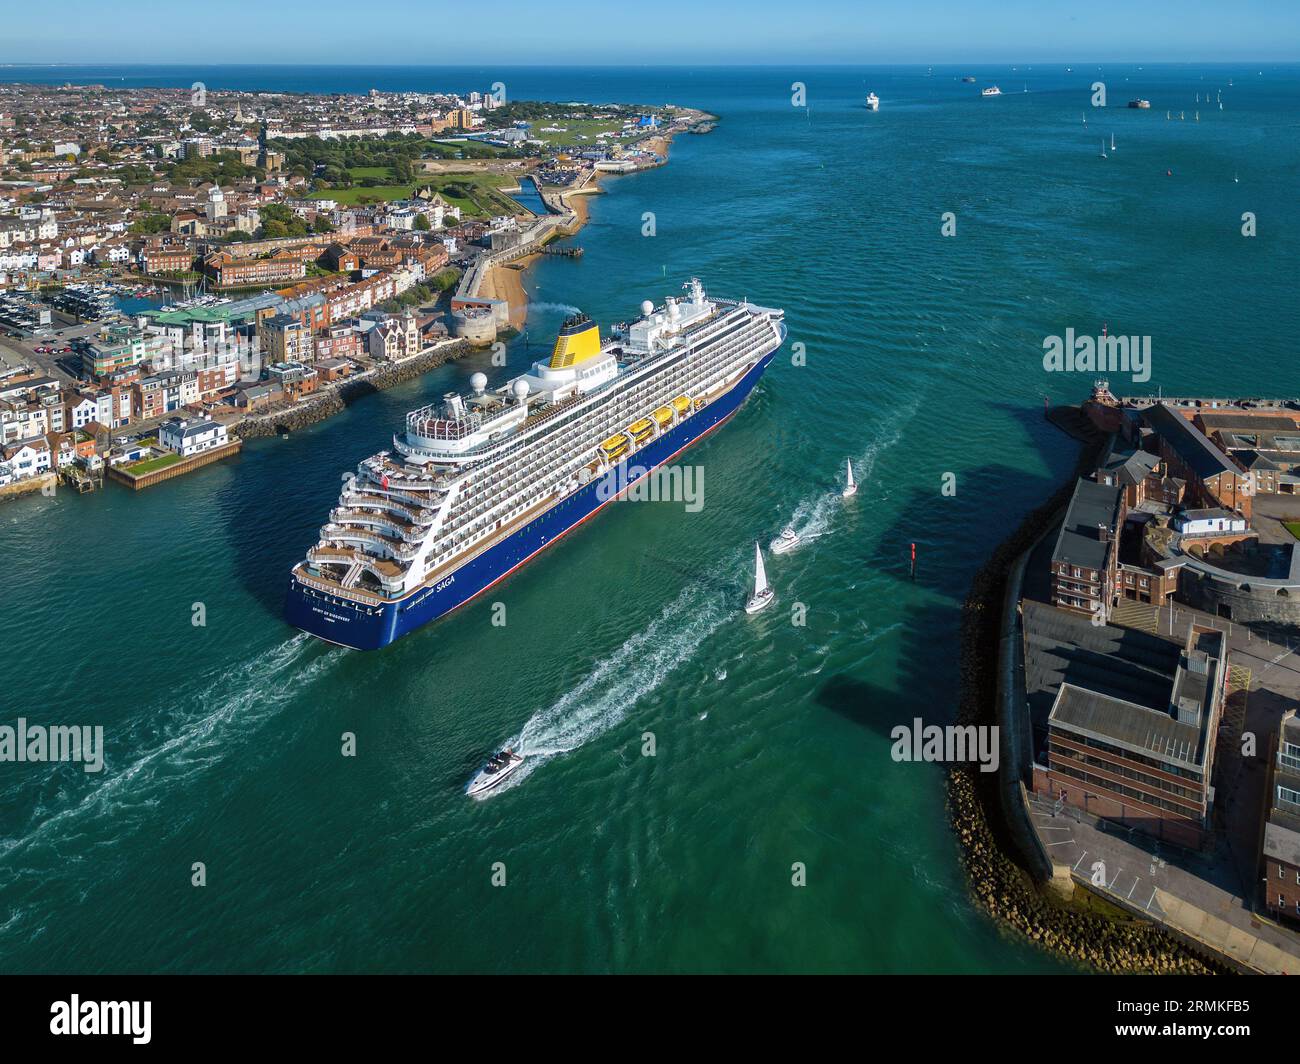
394 338
192 436
1085 559
24 458
284 338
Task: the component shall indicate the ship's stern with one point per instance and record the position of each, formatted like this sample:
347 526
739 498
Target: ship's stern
339 620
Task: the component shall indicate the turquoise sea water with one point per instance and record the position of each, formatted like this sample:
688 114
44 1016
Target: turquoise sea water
924 356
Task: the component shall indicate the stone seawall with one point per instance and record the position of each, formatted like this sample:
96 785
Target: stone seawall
326 404
28 485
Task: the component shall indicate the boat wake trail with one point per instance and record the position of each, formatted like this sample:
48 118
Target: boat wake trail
812 518
616 683
231 706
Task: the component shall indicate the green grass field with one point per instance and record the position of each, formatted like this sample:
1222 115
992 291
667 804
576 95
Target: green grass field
484 196
1293 527
152 465
481 197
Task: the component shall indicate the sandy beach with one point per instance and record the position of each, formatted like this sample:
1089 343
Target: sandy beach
506 281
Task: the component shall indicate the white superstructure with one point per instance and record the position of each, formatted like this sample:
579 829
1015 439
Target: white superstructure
473 469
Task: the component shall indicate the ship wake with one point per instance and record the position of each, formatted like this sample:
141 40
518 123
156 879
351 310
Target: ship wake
814 517
618 682
197 732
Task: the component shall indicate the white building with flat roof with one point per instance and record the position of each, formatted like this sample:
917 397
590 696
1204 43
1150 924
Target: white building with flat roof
191 436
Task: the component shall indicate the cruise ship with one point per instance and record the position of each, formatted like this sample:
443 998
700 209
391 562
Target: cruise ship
480 483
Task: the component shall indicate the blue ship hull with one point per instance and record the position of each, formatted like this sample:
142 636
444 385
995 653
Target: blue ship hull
351 624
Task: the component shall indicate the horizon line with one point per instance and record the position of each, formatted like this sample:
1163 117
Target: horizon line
625 66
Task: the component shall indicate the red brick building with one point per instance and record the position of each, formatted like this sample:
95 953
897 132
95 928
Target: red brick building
1123 747
1280 855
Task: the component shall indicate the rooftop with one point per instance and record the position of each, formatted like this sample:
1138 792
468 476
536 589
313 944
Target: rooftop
1190 444
1093 510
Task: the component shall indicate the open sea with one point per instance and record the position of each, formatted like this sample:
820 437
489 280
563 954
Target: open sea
923 357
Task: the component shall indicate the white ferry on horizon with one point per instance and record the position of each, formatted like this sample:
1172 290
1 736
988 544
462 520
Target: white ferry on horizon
992 90
873 102
480 483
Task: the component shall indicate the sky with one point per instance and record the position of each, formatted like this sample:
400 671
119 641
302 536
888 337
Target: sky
605 32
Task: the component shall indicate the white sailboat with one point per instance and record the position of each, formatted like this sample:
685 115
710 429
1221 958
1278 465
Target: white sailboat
1103 148
850 485
1112 142
763 595
1235 179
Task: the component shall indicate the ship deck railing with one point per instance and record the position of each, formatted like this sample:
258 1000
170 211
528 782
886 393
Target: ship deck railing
356 594
410 531
400 548
416 515
346 556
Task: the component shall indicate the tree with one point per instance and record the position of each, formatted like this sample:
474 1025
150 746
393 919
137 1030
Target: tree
422 222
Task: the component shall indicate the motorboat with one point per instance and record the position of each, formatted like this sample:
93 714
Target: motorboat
873 102
786 541
494 772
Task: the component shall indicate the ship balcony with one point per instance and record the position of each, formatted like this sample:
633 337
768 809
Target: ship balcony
403 476
414 514
403 551
390 495
402 528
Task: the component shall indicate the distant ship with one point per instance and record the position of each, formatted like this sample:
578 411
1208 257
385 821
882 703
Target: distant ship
969 78
873 102
1143 105
992 90
480 483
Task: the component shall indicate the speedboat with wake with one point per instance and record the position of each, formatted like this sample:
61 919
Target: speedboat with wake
763 595
494 773
786 541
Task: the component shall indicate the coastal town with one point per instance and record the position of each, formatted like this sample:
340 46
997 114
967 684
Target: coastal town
1147 685
181 270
